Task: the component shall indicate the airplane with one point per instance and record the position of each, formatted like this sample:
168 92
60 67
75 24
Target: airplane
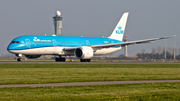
84 48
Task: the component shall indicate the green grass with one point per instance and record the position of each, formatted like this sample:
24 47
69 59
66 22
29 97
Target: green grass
129 92
51 73
13 59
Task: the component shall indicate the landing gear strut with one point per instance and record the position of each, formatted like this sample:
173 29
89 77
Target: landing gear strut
60 59
19 59
85 60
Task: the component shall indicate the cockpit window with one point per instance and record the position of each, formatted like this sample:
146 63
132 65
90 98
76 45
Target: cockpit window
13 42
17 41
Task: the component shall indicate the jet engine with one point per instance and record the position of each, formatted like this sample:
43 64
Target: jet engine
32 56
84 52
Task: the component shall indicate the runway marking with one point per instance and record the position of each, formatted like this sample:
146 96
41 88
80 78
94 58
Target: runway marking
86 83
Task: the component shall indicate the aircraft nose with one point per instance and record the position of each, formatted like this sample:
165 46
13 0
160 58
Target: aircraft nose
10 47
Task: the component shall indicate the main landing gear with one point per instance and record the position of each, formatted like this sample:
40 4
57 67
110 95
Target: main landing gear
85 60
60 59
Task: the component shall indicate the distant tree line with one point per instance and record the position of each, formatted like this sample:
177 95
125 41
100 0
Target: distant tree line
159 53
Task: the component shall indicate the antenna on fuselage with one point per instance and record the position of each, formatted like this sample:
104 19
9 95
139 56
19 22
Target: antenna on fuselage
58 23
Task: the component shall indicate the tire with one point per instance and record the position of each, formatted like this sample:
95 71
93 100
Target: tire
57 59
89 60
85 60
63 59
60 59
82 60
19 59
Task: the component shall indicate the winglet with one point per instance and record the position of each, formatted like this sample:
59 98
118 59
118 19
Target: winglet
167 37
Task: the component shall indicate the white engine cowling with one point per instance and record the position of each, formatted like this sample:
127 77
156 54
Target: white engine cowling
84 52
32 56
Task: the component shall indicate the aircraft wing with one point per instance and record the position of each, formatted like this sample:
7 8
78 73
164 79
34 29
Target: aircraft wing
131 42
124 43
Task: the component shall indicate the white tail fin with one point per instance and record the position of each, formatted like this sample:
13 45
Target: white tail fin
120 28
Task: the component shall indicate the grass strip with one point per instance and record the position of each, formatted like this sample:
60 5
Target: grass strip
124 92
53 73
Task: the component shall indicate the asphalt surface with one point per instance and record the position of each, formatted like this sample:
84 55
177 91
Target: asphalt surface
86 83
105 62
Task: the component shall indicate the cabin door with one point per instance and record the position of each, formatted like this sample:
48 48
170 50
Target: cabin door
87 43
54 43
28 43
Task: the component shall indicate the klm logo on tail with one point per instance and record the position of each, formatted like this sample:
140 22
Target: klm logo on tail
119 31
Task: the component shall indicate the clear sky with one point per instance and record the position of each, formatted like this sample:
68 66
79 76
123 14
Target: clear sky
95 18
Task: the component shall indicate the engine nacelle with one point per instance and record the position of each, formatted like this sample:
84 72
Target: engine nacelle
32 56
84 52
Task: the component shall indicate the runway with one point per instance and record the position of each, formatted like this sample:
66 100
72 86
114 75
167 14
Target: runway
105 62
86 83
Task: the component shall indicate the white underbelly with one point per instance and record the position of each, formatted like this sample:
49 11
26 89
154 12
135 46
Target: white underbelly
59 51
39 51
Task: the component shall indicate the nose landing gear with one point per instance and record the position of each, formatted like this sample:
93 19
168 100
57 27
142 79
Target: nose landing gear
19 59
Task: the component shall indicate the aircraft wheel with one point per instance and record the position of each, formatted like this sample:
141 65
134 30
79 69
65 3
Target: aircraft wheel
82 60
60 59
63 59
57 59
19 59
89 60
85 60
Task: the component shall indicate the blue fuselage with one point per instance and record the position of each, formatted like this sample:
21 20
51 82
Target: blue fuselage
39 41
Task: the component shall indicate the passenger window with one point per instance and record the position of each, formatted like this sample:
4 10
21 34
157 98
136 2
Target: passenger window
17 41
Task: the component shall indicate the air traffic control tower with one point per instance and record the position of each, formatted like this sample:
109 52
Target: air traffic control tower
58 23
125 48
